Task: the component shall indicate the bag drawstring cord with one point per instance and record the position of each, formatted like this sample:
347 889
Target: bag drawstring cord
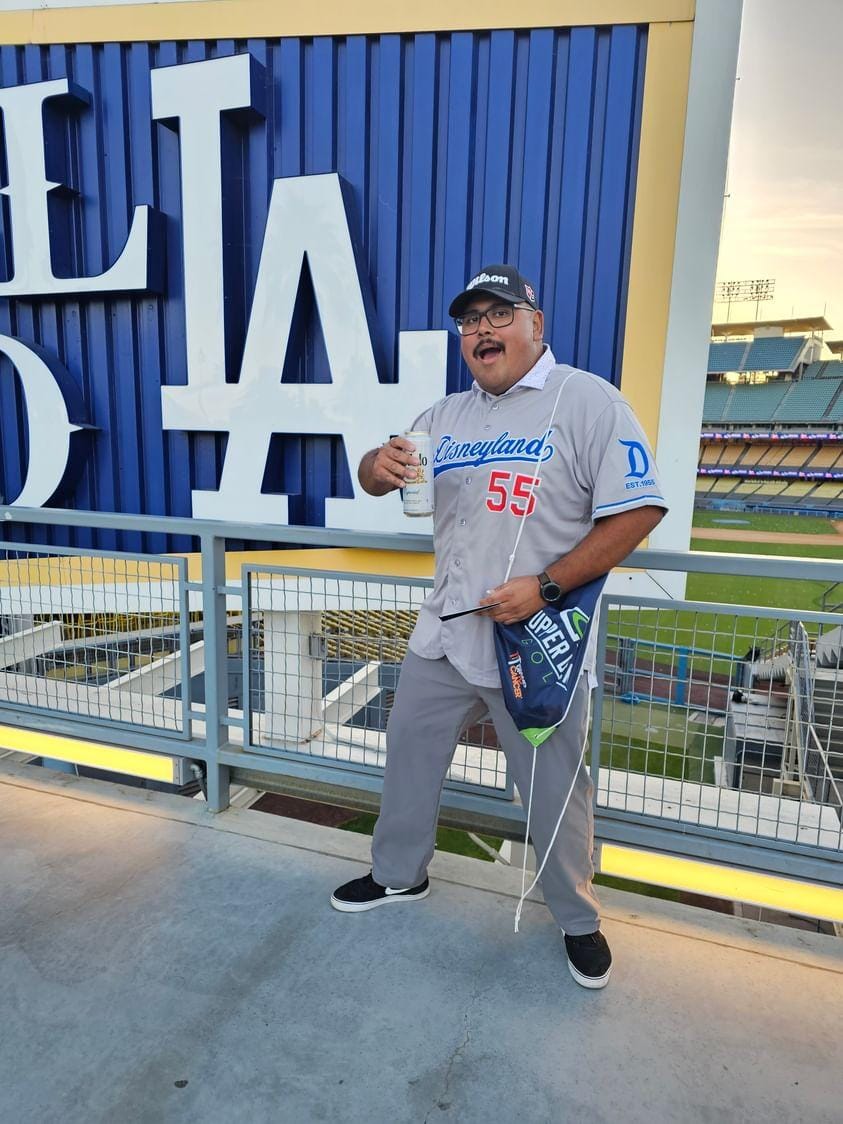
526 894
535 481
533 486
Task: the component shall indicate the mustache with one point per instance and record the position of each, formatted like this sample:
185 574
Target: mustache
487 343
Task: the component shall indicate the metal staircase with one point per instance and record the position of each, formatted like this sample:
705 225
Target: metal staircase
785 723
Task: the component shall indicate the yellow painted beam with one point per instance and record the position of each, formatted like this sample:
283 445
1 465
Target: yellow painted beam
84 571
349 560
788 895
131 762
242 19
654 225
95 572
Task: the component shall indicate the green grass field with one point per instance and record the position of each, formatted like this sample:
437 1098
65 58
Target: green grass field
653 738
724 632
757 521
776 593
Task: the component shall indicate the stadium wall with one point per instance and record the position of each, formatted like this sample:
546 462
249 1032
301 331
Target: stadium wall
359 176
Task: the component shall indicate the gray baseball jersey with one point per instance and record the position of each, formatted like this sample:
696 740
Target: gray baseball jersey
596 461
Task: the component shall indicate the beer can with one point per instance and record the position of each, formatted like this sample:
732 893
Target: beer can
418 493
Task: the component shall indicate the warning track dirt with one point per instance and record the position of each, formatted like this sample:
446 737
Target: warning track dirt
746 534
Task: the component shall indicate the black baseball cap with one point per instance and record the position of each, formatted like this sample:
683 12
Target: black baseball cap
502 281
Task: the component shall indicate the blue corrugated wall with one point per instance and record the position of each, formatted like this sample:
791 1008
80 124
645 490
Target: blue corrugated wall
460 149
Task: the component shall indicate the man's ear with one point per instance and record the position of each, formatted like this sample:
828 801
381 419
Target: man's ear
538 325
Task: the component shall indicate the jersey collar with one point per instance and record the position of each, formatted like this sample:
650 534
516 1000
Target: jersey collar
535 378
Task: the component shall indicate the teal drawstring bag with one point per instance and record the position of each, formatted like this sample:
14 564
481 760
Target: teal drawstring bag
540 660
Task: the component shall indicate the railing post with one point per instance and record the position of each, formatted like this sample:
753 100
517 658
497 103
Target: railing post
216 667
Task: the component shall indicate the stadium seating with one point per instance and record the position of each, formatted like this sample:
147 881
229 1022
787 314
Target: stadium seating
754 403
730 455
711 455
796 456
774 353
717 394
785 408
756 454
746 488
835 412
806 401
723 357
826 457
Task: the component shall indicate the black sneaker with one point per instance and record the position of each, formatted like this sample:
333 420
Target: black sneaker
589 959
365 893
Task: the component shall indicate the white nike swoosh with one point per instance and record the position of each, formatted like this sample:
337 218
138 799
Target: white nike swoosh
389 890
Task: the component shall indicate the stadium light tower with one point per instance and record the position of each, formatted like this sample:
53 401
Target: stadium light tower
758 290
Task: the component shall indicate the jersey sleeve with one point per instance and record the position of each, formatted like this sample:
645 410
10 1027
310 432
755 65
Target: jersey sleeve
423 421
622 468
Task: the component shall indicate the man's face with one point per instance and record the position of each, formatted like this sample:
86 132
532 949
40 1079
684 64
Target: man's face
499 357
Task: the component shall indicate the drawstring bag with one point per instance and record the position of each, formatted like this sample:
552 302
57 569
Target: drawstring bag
540 661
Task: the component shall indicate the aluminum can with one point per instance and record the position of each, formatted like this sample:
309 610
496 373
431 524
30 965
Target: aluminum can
418 493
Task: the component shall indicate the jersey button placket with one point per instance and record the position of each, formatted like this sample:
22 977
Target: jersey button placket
460 522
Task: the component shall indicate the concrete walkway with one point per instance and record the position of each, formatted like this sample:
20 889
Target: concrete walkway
159 964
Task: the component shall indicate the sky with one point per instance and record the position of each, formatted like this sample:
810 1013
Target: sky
783 214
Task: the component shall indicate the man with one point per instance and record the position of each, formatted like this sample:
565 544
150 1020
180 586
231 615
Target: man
598 496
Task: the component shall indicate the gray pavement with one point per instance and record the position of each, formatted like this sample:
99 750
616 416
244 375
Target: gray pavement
161 964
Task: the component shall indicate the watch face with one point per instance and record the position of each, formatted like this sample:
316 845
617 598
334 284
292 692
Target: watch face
551 591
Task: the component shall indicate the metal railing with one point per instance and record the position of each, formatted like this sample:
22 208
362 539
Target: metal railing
282 677
828 600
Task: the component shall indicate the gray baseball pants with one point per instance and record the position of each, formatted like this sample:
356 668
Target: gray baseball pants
433 704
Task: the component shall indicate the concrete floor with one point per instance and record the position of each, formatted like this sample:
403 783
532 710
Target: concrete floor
160 964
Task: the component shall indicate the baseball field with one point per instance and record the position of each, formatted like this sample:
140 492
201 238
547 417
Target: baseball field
749 533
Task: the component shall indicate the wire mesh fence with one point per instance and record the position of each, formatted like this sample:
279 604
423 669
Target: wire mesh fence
322 666
719 724
104 637
705 716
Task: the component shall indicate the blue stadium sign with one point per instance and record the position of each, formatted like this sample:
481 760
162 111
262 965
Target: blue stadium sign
225 268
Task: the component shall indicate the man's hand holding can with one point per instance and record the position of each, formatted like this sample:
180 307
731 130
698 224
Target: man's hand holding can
395 462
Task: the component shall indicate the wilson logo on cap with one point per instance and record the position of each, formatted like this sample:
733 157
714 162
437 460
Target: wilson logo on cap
487 279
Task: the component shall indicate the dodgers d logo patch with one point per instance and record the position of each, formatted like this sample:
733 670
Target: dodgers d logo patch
639 462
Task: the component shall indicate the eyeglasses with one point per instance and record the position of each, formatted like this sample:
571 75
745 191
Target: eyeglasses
499 315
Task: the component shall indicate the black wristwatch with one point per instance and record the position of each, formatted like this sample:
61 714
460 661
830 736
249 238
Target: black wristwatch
550 590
